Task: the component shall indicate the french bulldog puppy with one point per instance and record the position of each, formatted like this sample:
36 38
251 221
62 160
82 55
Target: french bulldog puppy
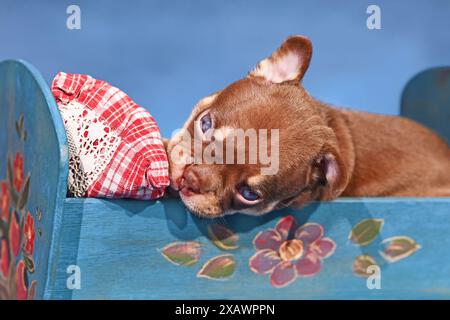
320 152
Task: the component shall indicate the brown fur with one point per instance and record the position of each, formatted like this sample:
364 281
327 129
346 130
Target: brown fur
375 155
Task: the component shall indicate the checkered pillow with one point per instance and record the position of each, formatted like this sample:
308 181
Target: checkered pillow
115 147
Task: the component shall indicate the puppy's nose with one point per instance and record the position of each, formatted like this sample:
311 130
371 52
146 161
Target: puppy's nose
199 179
192 180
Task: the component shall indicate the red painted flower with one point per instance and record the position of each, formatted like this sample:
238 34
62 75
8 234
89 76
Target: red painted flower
21 281
14 234
4 258
4 201
18 171
29 234
287 253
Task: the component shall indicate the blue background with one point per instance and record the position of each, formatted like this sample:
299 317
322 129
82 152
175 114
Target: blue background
168 54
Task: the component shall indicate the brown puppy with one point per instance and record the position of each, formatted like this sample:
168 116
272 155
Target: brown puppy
321 152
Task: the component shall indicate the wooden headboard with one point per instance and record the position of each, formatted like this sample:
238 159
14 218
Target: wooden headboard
53 247
426 99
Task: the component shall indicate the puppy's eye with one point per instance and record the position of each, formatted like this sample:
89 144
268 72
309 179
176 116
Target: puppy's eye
204 126
206 122
247 195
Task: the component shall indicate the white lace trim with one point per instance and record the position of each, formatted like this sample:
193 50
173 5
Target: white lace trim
91 146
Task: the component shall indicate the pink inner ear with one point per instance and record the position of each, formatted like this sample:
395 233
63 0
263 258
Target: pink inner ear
286 68
331 168
279 69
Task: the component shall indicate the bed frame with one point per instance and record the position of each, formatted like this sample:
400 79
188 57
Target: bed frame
124 249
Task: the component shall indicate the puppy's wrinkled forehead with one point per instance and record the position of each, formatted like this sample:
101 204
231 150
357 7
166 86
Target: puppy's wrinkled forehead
254 103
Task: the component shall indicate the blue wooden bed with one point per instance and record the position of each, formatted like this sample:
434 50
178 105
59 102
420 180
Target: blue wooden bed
54 247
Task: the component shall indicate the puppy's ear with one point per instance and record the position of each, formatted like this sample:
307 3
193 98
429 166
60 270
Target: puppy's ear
327 178
330 175
287 64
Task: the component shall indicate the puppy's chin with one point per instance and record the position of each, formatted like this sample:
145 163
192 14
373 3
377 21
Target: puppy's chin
260 211
206 206
201 205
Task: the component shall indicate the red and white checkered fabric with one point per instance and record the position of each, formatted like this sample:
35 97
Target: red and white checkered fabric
116 150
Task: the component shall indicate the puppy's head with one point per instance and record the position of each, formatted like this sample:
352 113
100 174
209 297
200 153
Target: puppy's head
259 144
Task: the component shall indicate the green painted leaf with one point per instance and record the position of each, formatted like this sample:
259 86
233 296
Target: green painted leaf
29 263
3 230
18 129
366 231
32 290
39 214
361 264
218 268
10 177
397 248
23 196
21 121
182 253
10 171
20 126
223 237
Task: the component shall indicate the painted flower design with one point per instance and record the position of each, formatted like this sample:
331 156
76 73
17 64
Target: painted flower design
18 171
4 258
29 234
21 282
17 229
4 201
14 234
287 252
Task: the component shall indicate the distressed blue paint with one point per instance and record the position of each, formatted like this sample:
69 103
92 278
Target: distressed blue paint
118 256
426 99
116 242
23 90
